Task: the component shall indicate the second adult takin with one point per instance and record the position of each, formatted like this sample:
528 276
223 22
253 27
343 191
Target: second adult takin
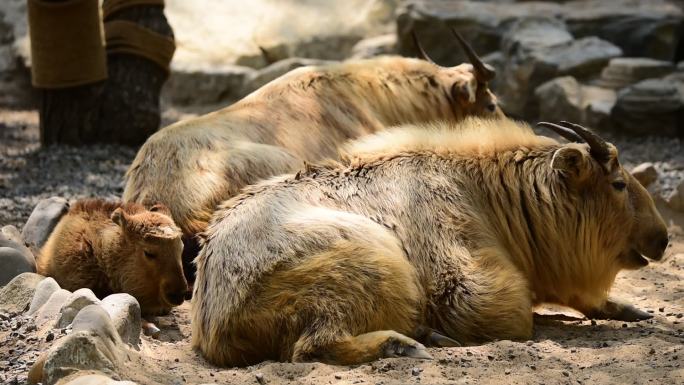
303 116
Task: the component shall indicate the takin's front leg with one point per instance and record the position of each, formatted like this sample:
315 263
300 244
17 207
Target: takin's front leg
352 350
615 311
482 297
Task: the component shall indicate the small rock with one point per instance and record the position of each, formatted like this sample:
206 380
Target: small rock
212 84
645 173
50 310
260 378
13 263
42 293
416 371
76 301
375 46
43 220
676 198
19 292
507 371
652 351
150 329
49 337
624 71
124 311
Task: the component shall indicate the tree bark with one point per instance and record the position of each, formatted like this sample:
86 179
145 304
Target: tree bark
123 109
130 104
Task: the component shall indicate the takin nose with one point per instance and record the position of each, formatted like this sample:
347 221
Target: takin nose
176 297
659 245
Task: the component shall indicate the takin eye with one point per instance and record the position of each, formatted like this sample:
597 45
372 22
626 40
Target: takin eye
150 255
619 185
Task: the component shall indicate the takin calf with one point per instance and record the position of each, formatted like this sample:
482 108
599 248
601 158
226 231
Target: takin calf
459 230
118 248
194 165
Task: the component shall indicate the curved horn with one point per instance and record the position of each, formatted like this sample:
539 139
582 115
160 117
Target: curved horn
268 58
483 71
598 147
423 54
562 131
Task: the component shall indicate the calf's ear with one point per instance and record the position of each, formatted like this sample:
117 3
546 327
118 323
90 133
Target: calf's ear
119 217
572 161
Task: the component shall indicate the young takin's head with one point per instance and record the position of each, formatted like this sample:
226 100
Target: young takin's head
151 269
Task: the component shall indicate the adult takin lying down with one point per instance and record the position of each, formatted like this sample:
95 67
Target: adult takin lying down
459 230
193 165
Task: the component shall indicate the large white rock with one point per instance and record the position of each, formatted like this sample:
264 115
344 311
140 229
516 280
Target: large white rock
652 106
538 50
564 98
624 71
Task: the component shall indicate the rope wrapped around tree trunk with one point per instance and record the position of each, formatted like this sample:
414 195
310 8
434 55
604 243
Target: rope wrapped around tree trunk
55 64
130 38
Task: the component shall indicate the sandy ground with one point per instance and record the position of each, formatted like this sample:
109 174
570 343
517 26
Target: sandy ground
566 348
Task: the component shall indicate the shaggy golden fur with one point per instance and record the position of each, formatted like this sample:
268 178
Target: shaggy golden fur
113 247
193 165
459 229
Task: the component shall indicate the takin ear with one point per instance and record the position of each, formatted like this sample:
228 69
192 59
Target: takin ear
119 217
572 161
464 90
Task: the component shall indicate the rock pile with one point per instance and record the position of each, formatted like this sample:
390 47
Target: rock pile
78 334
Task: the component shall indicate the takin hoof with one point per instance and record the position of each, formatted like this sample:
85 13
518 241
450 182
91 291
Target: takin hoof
432 338
401 346
630 313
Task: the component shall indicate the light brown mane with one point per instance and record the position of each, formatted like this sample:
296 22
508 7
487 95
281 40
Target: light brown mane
470 137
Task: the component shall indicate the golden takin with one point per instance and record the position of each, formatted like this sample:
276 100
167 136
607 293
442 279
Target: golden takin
459 231
110 247
303 116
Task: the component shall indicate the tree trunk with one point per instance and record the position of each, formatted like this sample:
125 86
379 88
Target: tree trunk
123 109
69 115
130 104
